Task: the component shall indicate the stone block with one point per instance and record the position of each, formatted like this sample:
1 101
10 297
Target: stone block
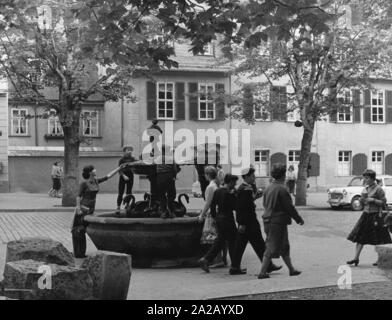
39 249
384 256
111 274
26 280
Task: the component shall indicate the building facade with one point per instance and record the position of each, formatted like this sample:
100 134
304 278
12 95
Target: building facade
36 138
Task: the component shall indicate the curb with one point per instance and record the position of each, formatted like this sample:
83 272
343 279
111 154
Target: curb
49 210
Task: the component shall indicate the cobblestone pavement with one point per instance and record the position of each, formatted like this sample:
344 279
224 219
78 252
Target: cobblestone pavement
55 225
362 291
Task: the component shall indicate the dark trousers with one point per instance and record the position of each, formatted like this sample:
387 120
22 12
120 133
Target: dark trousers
121 188
226 232
166 191
79 241
253 235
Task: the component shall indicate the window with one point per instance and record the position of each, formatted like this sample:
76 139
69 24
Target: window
262 163
19 123
344 163
90 123
377 108
261 114
293 159
294 115
206 102
377 163
165 100
345 112
388 182
54 125
208 50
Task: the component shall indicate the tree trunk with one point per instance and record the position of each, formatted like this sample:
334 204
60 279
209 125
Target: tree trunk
71 161
306 145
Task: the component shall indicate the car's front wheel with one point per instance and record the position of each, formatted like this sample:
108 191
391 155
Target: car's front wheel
356 204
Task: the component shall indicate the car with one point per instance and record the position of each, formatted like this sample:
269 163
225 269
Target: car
350 196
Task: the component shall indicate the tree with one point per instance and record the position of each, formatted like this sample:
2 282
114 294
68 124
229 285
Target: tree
321 55
61 44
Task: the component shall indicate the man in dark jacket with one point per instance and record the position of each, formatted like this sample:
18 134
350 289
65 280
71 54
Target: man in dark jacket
279 211
126 176
248 225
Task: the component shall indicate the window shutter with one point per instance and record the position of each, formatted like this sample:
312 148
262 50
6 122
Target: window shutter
359 164
151 100
220 102
388 105
193 101
367 111
388 164
333 117
279 108
315 165
356 105
278 158
283 106
180 101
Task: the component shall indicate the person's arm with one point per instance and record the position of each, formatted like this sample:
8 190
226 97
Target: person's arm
79 197
381 200
287 203
207 204
109 175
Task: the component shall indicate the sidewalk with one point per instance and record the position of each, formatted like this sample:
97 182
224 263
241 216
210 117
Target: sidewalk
41 202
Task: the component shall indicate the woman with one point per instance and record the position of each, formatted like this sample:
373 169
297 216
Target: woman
278 213
209 232
368 230
85 204
291 179
56 180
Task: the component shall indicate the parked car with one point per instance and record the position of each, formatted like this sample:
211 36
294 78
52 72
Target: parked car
350 195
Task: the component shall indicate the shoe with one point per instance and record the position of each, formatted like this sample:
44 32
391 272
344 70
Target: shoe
375 264
354 262
117 210
203 263
237 271
218 265
295 273
263 276
273 268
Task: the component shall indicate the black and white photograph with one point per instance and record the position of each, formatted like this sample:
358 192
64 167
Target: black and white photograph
195 151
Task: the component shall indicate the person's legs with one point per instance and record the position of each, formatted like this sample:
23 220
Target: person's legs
121 188
240 244
358 250
256 240
231 234
171 197
129 185
218 243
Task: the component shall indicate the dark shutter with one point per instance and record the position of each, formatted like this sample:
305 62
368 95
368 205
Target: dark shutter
220 102
278 102
388 105
367 115
356 105
180 101
359 164
367 109
151 100
333 117
314 165
388 164
278 158
193 101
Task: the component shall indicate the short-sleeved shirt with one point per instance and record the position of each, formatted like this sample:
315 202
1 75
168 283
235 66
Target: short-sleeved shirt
88 191
56 172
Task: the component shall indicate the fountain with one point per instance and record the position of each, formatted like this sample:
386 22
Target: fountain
140 232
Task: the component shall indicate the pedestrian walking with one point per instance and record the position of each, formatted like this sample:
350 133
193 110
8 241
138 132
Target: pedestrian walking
370 229
85 205
248 225
291 178
278 213
56 175
126 176
222 210
221 175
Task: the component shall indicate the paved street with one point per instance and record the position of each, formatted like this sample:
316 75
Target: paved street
318 249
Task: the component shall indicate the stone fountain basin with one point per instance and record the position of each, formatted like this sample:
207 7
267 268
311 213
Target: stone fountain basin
152 242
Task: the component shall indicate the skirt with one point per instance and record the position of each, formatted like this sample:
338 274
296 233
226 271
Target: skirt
366 232
277 242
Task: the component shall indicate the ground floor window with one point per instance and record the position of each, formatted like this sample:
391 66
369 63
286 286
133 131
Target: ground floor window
293 159
262 163
344 163
377 163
